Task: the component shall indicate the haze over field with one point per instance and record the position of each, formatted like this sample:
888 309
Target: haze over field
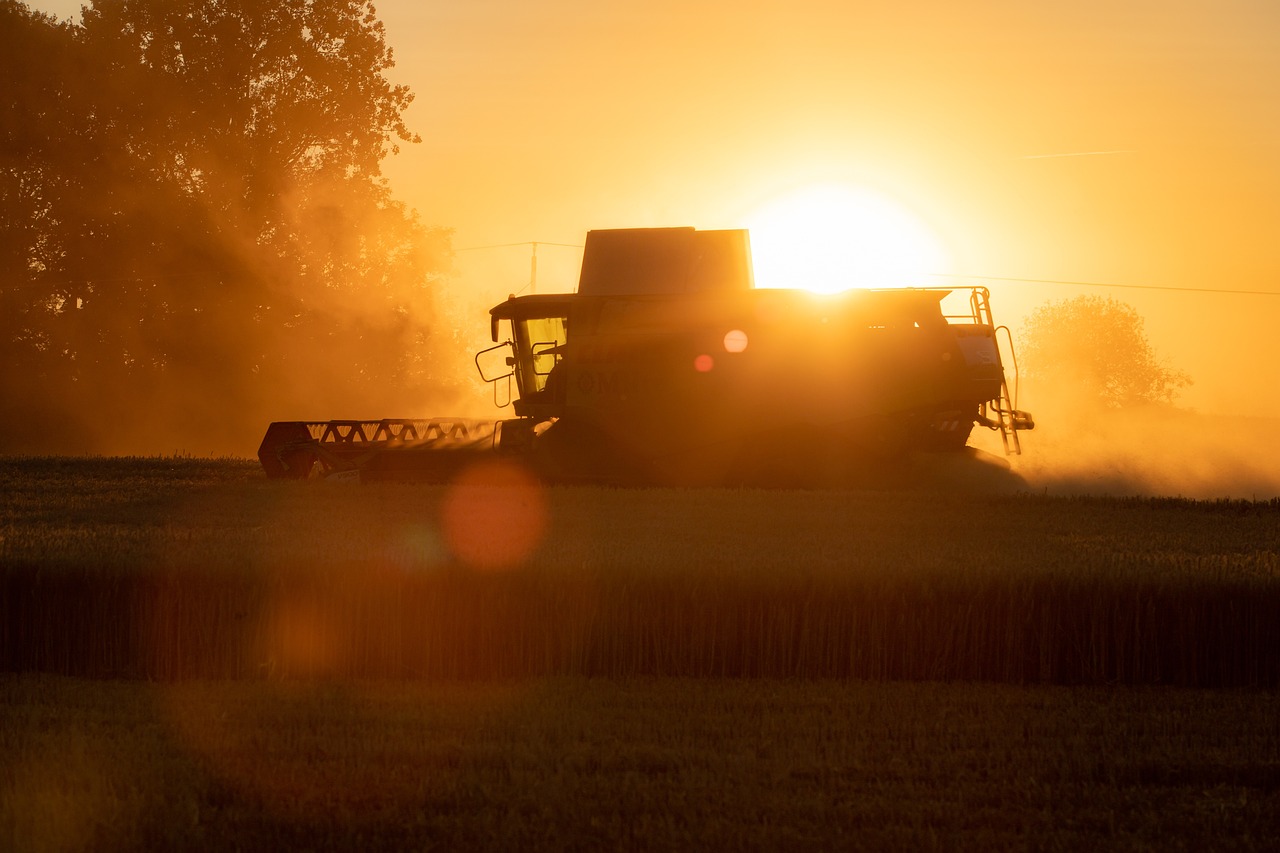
1087 142
1026 145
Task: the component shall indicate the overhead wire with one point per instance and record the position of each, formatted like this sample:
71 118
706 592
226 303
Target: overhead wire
1165 287
525 243
533 259
35 282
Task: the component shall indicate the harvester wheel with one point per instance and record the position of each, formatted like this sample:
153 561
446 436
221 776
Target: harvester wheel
968 470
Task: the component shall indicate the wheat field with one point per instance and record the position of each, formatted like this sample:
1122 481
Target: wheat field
176 569
633 764
192 657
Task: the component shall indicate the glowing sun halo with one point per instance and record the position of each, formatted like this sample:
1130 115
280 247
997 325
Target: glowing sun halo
829 238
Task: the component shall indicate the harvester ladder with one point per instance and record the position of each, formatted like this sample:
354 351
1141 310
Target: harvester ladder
1005 404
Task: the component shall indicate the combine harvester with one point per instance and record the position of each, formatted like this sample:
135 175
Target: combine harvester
668 367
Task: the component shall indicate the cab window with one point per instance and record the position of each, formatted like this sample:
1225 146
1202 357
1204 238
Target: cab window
540 346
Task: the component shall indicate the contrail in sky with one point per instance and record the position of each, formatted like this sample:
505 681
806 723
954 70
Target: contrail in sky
1077 154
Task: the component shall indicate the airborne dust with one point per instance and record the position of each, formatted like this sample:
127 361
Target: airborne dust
1078 142
1151 452
1217 437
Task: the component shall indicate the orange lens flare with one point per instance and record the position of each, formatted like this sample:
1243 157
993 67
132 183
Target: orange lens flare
494 516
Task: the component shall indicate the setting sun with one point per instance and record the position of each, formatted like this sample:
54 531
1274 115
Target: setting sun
829 238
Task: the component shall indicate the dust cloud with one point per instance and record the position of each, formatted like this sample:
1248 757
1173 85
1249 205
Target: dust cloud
193 356
1216 439
1158 451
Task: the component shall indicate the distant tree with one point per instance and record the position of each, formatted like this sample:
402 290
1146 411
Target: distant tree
196 218
1093 350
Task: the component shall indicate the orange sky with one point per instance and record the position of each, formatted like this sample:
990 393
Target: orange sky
541 121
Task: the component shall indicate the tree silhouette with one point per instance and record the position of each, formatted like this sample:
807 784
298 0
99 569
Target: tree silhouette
198 233
1093 350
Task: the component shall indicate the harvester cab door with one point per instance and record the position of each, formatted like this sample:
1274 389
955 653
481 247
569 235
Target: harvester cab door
538 329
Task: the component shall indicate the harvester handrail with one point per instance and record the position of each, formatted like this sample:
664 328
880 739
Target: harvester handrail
1013 357
979 313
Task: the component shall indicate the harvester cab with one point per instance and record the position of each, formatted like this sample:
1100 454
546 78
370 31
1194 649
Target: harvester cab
668 366
531 355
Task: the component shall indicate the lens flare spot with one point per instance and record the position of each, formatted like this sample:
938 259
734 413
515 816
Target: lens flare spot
494 516
304 636
703 363
735 341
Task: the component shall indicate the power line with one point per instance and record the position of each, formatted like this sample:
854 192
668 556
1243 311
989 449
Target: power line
525 243
1112 284
532 286
153 279
1078 154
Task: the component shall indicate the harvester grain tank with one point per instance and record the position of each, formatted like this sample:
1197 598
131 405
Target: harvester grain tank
667 366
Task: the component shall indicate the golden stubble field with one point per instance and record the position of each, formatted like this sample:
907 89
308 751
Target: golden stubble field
197 657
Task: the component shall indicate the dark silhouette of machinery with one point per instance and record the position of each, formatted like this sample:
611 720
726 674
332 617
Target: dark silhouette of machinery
668 367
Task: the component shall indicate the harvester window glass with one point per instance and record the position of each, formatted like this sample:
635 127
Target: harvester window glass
540 342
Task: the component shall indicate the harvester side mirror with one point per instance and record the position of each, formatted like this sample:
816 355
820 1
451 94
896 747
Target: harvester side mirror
489 366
